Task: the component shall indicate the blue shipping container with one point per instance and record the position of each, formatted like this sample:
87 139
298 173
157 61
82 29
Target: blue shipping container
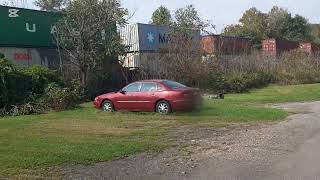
147 37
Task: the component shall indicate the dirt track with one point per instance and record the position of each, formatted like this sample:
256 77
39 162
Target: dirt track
286 150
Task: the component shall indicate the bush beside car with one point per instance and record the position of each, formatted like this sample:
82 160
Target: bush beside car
30 90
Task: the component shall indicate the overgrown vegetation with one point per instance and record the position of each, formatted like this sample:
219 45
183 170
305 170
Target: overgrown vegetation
60 99
30 90
233 73
242 73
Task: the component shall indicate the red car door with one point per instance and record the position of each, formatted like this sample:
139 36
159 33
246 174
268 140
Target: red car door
128 99
148 95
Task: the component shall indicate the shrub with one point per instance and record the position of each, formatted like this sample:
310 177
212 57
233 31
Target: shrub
24 109
21 88
14 85
214 82
59 98
298 68
41 77
239 83
18 85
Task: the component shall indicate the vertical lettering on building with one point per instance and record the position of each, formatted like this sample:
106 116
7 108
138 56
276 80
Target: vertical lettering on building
29 29
13 13
163 38
103 34
53 29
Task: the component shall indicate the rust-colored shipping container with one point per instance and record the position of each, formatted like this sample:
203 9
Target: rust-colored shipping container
225 45
278 46
310 48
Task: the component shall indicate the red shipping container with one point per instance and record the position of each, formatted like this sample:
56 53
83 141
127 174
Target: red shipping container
278 46
225 45
310 48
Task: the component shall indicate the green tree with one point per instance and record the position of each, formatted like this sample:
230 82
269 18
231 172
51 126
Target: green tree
161 16
234 30
298 29
88 36
281 24
252 25
51 5
277 23
189 18
315 32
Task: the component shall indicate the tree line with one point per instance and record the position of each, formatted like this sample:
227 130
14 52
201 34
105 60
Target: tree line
254 24
277 23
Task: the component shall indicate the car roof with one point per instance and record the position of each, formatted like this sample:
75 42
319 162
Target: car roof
152 80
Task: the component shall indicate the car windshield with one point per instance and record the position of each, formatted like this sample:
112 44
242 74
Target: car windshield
174 85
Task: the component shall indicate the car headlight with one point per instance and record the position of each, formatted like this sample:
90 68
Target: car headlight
96 99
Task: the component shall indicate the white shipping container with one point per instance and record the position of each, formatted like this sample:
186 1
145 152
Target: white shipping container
141 59
31 56
129 35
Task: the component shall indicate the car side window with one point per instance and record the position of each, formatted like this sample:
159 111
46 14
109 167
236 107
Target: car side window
149 87
159 88
135 87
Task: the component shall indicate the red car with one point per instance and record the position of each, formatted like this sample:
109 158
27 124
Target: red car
162 96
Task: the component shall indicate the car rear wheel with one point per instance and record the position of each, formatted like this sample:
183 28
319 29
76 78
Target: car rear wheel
163 107
107 106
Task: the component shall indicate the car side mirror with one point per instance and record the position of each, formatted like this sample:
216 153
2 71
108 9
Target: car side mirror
122 91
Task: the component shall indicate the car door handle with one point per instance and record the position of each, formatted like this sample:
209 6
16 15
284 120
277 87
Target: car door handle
153 95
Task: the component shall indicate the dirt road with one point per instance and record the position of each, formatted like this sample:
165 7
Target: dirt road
286 150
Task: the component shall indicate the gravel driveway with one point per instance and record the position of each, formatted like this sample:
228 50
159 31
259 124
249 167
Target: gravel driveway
286 150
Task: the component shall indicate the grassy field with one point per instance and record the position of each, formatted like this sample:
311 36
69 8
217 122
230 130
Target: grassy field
32 144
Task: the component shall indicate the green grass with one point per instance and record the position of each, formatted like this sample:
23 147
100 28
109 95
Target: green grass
32 144
278 94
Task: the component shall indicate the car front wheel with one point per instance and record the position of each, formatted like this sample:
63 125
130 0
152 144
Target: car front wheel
163 107
107 106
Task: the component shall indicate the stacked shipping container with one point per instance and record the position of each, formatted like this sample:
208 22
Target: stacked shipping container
147 42
26 36
32 56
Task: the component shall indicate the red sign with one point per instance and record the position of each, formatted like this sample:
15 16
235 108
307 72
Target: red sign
22 57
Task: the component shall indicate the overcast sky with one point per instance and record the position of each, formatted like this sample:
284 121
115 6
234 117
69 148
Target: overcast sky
219 12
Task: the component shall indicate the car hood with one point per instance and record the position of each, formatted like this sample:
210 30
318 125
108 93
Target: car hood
107 95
